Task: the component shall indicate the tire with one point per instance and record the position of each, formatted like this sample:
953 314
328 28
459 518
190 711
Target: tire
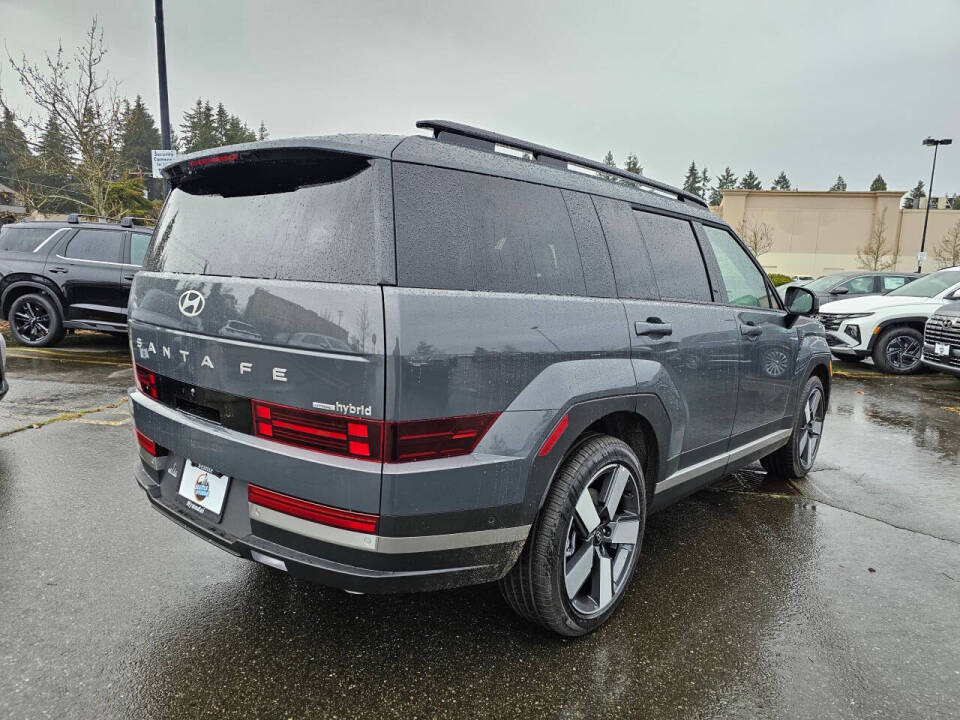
794 460
898 351
565 546
35 321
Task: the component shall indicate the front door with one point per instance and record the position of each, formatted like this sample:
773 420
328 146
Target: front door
768 348
87 266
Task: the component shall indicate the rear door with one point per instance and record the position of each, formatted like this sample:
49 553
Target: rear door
768 348
87 267
674 324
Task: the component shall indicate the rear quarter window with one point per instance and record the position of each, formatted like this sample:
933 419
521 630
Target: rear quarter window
465 231
14 239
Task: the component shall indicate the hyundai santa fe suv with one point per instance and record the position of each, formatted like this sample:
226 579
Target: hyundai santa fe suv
405 363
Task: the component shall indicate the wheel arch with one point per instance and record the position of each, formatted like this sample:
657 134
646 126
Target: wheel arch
19 287
916 322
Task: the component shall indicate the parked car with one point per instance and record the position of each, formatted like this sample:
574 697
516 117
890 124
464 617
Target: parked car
527 361
889 327
847 284
64 275
941 339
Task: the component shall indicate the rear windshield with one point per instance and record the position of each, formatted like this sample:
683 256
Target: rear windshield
23 239
321 217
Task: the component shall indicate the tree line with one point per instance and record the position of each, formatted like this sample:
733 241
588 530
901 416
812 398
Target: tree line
86 148
698 183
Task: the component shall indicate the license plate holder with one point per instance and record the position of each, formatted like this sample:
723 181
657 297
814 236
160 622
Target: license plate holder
941 349
203 490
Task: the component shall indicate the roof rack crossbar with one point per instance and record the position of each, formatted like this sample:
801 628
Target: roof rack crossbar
478 138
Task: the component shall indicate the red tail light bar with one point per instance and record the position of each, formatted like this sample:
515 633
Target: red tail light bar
146 381
393 442
214 160
146 443
314 512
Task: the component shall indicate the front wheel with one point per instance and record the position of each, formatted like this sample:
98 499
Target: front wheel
35 321
898 351
795 459
580 556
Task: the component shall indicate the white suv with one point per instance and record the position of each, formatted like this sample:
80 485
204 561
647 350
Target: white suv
889 327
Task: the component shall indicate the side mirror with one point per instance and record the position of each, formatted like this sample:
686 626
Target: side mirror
840 291
800 301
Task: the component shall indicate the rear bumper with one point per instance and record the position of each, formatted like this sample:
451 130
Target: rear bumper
411 552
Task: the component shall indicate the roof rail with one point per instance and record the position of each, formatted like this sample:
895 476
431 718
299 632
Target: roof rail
74 218
128 221
479 139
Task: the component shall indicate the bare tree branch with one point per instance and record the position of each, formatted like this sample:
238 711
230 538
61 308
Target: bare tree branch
876 255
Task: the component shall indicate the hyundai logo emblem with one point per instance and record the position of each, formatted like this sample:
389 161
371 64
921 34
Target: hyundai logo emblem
191 303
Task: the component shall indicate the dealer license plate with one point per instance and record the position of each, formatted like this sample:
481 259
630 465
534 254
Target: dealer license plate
203 491
941 349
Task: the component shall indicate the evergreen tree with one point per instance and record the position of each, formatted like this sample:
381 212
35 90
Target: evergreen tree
222 123
140 135
632 164
913 199
750 182
609 162
724 182
781 183
54 168
14 149
704 183
237 132
878 184
840 185
199 128
692 182
262 133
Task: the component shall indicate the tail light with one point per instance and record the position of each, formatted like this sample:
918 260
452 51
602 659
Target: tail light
333 434
370 439
314 512
444 437
146 381
214 160
149 445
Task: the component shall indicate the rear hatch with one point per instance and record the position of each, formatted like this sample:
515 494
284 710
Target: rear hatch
260 299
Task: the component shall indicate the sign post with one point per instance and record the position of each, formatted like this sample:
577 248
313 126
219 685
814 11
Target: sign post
160 159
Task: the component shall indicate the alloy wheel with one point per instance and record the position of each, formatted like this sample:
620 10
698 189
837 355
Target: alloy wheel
602 540
32 321
903 352
808 441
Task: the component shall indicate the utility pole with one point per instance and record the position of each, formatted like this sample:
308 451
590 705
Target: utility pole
162 73
926 216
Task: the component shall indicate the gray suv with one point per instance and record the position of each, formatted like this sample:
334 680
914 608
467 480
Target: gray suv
403 363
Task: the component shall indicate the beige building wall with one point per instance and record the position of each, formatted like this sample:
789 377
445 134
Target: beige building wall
815 233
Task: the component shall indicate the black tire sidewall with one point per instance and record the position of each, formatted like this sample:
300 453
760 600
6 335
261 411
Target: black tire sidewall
56 323
813 382
880 350
600 451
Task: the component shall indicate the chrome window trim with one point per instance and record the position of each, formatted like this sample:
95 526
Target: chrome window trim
95 262
50 237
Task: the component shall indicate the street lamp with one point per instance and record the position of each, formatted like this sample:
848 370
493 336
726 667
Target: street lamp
926 216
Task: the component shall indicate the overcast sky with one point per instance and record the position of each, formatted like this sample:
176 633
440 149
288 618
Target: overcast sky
816 90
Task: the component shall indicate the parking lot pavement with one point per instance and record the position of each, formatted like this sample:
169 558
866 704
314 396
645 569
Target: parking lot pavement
836 597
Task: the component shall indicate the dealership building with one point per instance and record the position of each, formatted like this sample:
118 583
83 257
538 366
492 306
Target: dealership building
816 233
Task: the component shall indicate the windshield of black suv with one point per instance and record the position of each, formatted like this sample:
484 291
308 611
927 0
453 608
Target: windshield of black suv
930 285
316 218
825 283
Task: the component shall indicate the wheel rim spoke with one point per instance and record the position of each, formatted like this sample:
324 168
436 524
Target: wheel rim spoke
587 512
613 490
579 568
602 590
625 531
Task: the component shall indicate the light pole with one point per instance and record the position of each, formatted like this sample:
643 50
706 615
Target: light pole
162 73
926 216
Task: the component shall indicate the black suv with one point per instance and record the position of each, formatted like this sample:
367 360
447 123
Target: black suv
396 363
68 274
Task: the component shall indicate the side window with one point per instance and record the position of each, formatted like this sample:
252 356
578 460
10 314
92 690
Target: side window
138 247
464 231
597 271
631 262
858 285
23 239
892 282
745 283
99 245
675 256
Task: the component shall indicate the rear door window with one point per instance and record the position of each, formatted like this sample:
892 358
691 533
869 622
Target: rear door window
631 261
675 256
858 285
317 216
892 282
23 239
465 231
138 247
95 245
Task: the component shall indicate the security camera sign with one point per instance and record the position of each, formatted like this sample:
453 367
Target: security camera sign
160 159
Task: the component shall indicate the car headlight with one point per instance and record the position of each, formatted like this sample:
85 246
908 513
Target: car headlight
854 316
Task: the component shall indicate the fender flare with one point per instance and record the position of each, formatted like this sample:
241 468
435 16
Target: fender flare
884 324
34 284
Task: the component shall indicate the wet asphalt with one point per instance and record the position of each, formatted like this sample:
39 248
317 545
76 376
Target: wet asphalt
838 597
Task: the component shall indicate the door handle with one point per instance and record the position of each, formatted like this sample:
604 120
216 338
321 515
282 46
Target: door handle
751 330
58 269
653 326
128 277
